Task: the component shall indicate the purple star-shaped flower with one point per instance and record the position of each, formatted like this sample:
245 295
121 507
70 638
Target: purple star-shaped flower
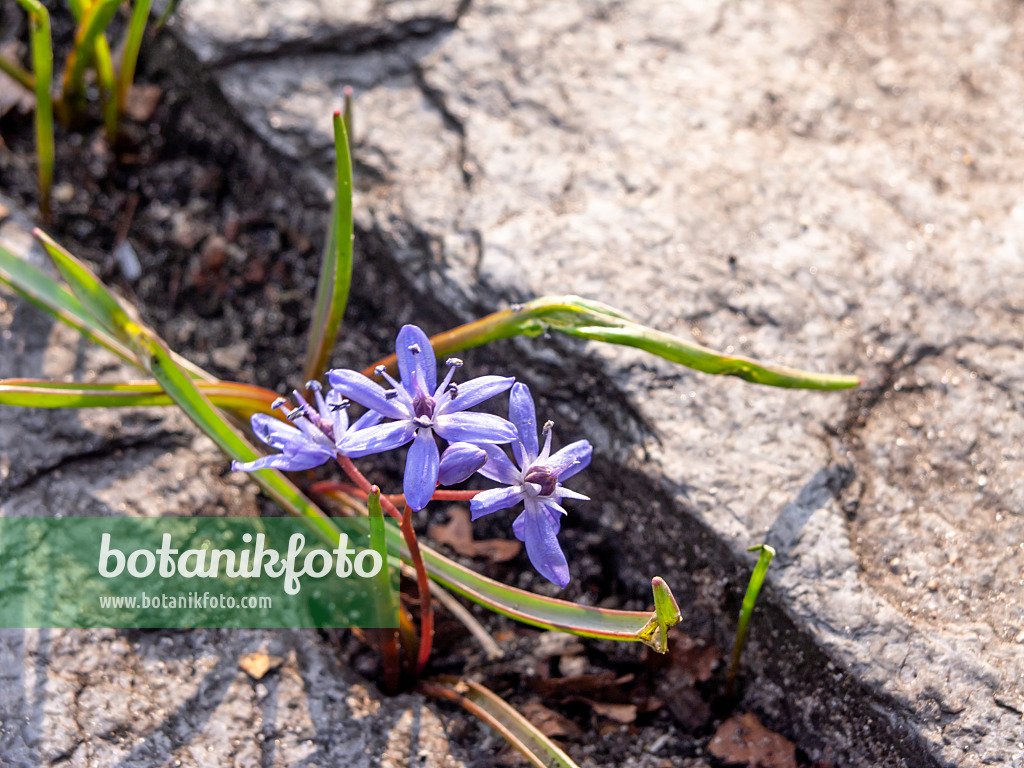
420 409
537 483
313 437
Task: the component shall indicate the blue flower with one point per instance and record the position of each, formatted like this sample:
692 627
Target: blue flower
313 437
537 483
420 409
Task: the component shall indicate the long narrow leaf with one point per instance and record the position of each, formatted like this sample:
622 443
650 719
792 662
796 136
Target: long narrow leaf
95 19
764 559
49 295
108 82
16 72
94 302
336 267
503 718
242 399
587 319
548 612
42 71
133 43
650 627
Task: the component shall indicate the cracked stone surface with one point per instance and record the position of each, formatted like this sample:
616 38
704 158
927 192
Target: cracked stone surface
138 698
829 185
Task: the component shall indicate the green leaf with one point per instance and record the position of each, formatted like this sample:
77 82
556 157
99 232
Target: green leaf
133 42
588 319
42 72
387 607
95 19
336 267
764 559
52 297
104 309
502 717
545 612
108 82
242 399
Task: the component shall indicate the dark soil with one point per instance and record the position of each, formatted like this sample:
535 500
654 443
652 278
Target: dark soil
229 242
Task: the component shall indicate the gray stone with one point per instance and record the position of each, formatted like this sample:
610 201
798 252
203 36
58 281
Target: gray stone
98 698
829 186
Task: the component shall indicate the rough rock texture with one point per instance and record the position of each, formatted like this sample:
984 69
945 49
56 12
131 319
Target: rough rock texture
831 185
93 698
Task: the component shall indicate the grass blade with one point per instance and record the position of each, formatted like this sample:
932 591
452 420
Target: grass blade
52 297
42 72
98 304
764 559
242 399
336 267
94 20
13 70
650 628
108 82
133 43
587 319
537 748
548 612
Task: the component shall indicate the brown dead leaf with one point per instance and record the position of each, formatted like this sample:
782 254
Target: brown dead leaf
620 713
605 686
142 102
256 665
457 533
743 740
549 722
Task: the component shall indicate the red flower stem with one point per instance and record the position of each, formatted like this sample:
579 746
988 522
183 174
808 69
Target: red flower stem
422 580
399 500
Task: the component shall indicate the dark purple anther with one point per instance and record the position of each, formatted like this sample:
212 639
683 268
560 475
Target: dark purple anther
544 477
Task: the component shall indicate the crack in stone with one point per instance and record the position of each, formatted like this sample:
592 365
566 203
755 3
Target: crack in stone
351 40
436 98
169 439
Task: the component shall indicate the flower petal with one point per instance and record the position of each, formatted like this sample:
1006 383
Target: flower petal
494 499
459 461
293 463
499 467
474 428
423 362
564 493
524 415
475 391
382 437
275 432
368 419
421 468
542 546
355 386
573 458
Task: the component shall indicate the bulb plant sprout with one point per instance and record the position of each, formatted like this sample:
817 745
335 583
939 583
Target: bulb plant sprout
92 18
405 408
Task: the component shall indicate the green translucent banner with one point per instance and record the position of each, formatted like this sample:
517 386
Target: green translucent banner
185 572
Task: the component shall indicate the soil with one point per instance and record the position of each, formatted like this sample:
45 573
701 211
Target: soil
228 242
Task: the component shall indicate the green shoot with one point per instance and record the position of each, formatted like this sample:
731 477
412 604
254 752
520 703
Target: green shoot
587 319
136 30
42 72
749 601
336 266
95 18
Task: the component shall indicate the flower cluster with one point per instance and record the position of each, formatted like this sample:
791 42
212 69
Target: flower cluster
418 411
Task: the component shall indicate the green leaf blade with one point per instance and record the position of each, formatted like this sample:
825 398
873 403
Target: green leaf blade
336 267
